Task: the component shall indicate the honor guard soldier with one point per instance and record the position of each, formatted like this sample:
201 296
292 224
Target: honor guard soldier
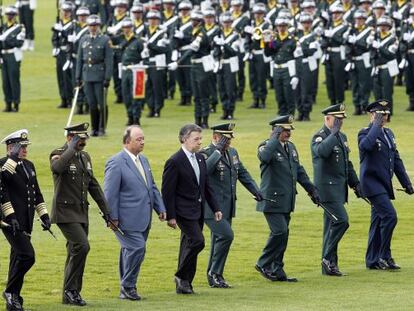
307 65
227 49
137 15
20 179
61 31
349 11
258 64
11 40
273 9
333 172
379 9
359 46
224 169
333 45
95 7
80 30
280 171
132 48
94 70
202 63
281 47
407 52
26 15
240 20
385 48
169 21
181 43
380 159
212 31
158 46
366 6
73 178
114 29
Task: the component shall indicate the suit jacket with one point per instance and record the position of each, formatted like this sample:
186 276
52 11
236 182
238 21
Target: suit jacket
379 162
129 198
280 172
183 196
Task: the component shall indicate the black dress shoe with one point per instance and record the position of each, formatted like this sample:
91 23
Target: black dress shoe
282 277
383 264
182 286
12 302
329 268
266 274
216 281
223 282
129 293
72 297
392 265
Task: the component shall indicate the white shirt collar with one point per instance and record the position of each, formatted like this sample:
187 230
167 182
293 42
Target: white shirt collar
131 155
187 153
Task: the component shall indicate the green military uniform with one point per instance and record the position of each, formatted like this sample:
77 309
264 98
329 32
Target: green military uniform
224 169
280 171
95 7
281 50
333 173
11 40
131 55
212 31
361 73
385 58
73 178
333 45
94 68
407 50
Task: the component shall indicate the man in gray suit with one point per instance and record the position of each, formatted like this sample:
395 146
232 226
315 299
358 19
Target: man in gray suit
132 194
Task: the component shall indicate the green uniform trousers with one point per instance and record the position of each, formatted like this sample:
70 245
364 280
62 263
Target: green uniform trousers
258 70
361 84
335 78
308 87
10 71
133 106
221 238
333 230
65 81
199 84
77 246
227 88
284 92
155 88
272 255
384 86
183 77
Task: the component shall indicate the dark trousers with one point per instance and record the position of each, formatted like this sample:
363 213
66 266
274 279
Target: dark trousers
273 253
155 89
284 92
77 247
22 258
65 82
221 238
307 86
361 84
26 18
183 77
117 80
192 243
333 230
241 77
384 86
258 71
227 88
383 222
335 78
94 92
200 89
10 72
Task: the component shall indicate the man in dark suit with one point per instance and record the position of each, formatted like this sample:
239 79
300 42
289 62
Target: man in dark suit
132 194
379 159
185 189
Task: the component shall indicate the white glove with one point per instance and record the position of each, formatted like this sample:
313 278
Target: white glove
145 53
111 30
298 52
328 33
174 55
267 36
219 41
68 65
325 15
314 45
349 67
352 39
247 56
172 66
393 48
195 46
376 44
58 27
216 66
161 43
71 38
370 40
403 64
397 15
178 34
2 38
406 36
294 82
55 52
248 29
318 31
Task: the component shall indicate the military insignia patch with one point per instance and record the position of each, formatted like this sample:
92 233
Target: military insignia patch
383 103
24 135
342 107
318 139
261 148
89 166
235 159
72 168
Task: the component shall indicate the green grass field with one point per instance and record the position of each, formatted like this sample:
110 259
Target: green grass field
360 290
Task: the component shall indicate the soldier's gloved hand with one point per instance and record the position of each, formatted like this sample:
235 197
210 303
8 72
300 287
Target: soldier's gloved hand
73 144
172 66
46 224
222 143
336 126
378 119
277 131
57 27
14 224
409 190
15 152
314 195
358 191
294 82
376 44
106 83
258 196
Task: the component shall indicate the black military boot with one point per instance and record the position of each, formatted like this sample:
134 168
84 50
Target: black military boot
299 117
213 108
86 110
305 116
411 104
358 111
94 122
8 108
150 113
255 104
130 121
182 101
136 121
198 121
188 100
63 104
225 114
157 114
79 109
15 107
230 114
204 123
262 104
240 97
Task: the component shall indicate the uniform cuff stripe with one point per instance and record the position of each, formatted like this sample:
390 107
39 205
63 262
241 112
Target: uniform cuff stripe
41 209
7 209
